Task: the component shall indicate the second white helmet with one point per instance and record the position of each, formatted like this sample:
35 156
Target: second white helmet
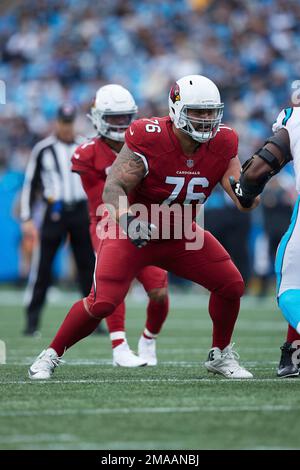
113 111
196 92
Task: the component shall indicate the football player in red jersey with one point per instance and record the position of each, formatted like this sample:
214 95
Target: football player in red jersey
174 159
112 113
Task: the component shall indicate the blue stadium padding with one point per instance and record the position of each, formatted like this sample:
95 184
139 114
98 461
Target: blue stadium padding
10 235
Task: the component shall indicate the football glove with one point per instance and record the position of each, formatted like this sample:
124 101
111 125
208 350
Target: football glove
138 231
245 201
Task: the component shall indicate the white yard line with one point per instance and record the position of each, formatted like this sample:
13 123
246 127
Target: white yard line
69 441
141 380
16 353
37 438
191 300
148 410
271 448
258 366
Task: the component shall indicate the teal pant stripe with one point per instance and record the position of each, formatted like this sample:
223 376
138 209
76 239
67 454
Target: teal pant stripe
289 303
288 112
283 244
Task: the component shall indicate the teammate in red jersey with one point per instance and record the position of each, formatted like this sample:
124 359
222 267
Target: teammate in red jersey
113 111
176 159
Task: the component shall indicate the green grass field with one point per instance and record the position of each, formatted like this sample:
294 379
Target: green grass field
91 405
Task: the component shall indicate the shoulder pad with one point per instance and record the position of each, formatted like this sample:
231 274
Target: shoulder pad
225 142
83 156
144 133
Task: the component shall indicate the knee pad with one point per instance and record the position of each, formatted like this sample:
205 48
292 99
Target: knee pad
233 290
101 310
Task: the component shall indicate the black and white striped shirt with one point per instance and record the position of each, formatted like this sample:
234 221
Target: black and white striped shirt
49 172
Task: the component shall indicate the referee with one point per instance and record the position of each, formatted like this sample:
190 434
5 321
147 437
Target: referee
49 175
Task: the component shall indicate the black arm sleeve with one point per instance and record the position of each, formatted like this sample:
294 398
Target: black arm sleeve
251 183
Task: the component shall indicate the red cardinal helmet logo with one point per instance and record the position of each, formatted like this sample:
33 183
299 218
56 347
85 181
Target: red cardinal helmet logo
175 93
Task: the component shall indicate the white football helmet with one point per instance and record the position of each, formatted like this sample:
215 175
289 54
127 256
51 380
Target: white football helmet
113 102
196 92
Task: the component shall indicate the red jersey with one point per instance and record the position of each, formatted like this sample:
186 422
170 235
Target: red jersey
172 176
92 161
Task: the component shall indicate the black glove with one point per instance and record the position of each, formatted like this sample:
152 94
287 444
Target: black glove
245 201
138 231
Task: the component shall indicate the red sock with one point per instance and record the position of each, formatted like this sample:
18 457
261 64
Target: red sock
77 325
223 313
116 325
292 335
157 312
116 321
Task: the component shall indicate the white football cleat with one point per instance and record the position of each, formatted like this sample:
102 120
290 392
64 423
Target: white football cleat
226 363
124 357
147 350
44 365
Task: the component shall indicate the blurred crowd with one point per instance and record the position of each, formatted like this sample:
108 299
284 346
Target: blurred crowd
64 50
